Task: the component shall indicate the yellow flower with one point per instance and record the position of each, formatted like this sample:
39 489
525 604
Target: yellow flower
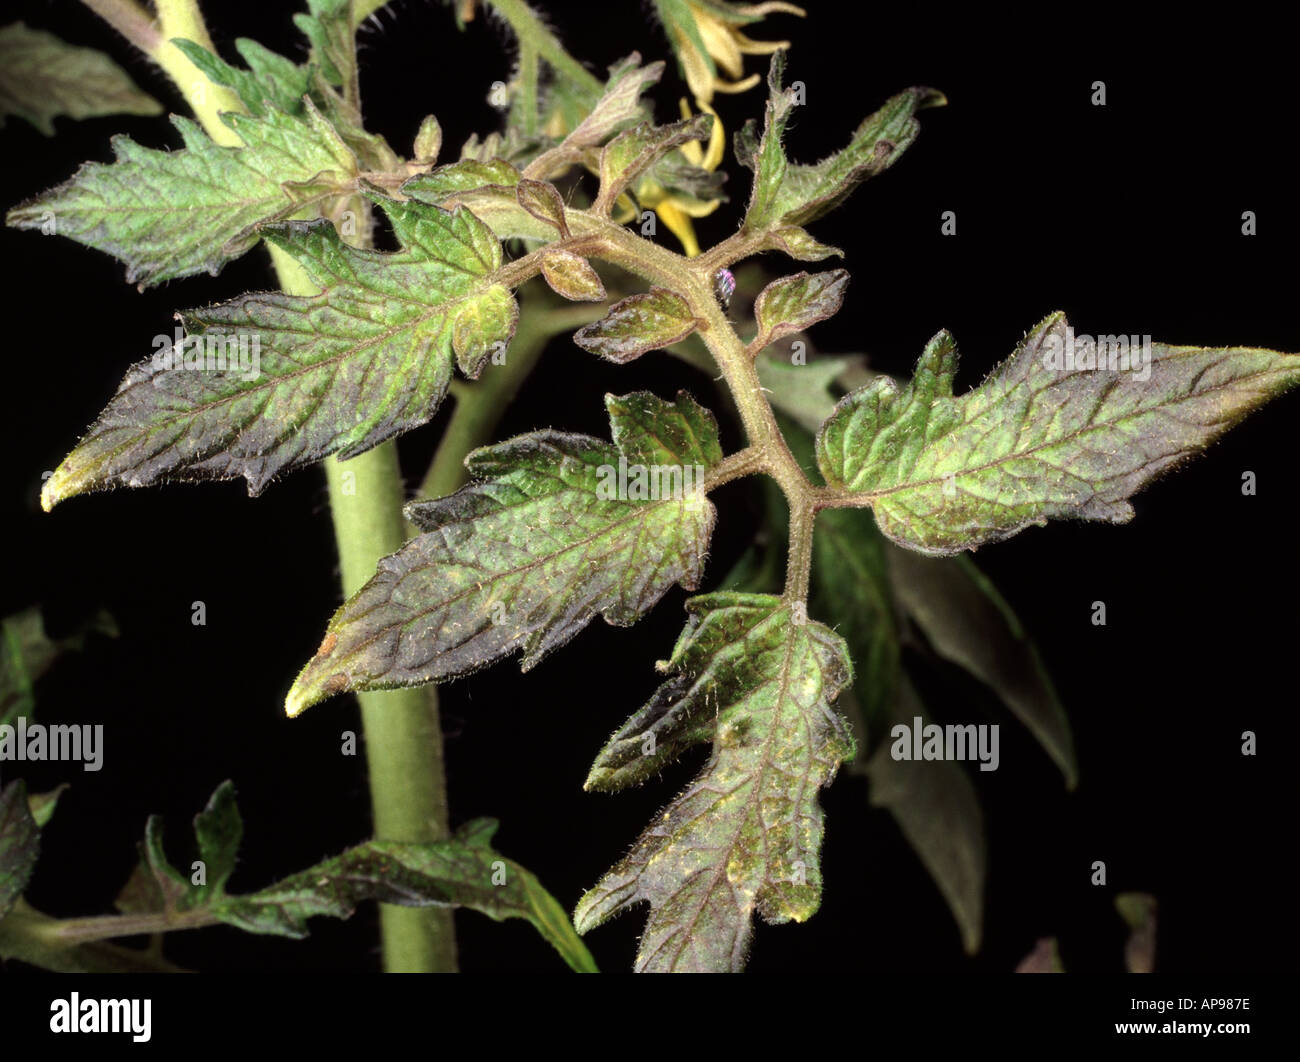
716 24
675 209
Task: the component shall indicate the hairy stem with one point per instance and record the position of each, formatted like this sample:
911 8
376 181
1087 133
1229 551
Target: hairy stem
693 280
734 466
79 945
528 27
404 751
130 20
69 932
182 19
527 78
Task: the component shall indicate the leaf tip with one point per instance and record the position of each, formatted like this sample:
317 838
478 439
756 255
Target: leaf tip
598 780
56 489
927 97
310 688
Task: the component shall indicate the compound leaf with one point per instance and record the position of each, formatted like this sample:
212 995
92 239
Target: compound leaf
756 679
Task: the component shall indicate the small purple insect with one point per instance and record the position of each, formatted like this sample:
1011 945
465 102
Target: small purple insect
724 286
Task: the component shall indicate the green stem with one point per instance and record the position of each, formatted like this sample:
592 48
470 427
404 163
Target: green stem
528 27
72 931
692 279
130 20
404 751
71 946
528 85
182 19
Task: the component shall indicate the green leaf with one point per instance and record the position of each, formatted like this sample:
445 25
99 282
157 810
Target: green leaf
335 83
271 82
510 205
638 324
968 622
218 830
170 886
368 358
786 193
795 303
619 106
1034 441
20 844
555 529
428 140
27 652
443 182
937 808
543 201
328 25
462 872
766 157
803 392
572 277
170 214
156 885
799 245
42 78
851 583
756 679
686 180
632 153
43 805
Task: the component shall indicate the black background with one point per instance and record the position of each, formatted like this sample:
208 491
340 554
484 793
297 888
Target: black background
1126 216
